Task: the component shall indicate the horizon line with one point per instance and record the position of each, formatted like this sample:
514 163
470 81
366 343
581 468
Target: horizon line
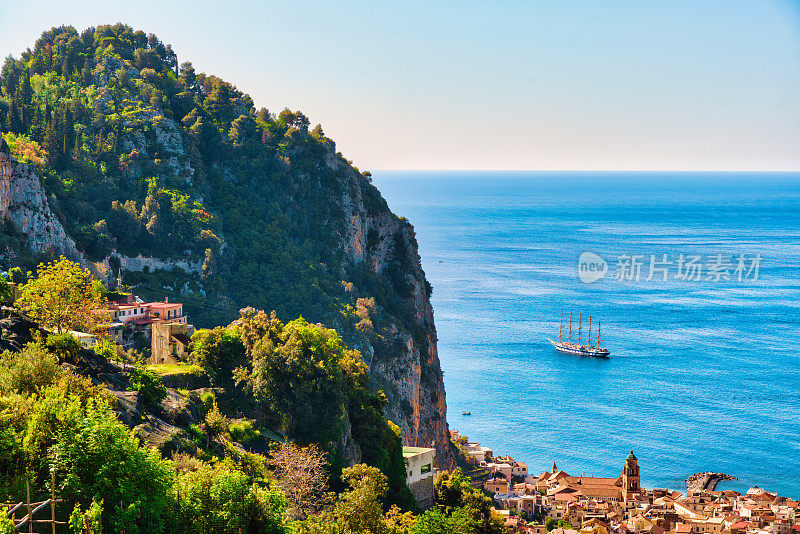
594 170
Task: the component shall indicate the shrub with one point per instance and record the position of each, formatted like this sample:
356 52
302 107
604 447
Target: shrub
149 385
107 349
243 431
6 525
88 521
223 499
28 371
25 150
65 346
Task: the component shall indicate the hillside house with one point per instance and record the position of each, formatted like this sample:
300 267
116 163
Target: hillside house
419 468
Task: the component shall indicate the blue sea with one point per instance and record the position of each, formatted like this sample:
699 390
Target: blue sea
704 374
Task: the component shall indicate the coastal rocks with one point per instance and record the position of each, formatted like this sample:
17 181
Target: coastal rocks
706 481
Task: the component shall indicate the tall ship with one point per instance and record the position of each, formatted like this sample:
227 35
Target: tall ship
578 348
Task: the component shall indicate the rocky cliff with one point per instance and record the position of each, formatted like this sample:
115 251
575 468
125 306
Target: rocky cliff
410 361
175 179
23 201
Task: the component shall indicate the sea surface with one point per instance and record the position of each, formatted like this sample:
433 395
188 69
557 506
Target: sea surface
704 374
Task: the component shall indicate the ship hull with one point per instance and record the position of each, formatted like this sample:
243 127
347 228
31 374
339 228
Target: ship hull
580 350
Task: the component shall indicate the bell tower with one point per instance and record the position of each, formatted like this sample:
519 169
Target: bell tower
631 483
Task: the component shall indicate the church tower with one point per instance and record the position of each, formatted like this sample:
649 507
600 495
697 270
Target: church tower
630 477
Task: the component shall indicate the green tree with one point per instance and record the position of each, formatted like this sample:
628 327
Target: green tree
149 385
218 351
298 374
6 294
96 456
17 276
61 297
454 491
357 510
222 499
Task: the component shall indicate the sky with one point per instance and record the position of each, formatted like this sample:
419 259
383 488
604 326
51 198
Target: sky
502 84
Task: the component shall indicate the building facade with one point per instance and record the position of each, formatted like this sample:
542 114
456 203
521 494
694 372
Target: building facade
419 471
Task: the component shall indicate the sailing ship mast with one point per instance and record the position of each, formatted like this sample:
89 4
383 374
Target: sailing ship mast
580 317
598 334
570 327
589 342
560 326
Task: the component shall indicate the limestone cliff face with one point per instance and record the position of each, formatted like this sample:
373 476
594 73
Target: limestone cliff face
408 363
23 201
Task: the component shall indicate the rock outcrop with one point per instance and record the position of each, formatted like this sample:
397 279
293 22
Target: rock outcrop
23 201
409 363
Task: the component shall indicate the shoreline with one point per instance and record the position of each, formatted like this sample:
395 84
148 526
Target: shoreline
705 481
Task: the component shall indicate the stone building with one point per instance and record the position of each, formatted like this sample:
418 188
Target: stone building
170 342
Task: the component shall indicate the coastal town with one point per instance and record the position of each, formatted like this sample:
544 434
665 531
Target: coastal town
561 503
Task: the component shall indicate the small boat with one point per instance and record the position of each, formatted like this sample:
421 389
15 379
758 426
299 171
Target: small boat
577 348
466 413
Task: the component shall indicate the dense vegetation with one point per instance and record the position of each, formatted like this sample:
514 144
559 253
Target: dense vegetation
301 379
57 421
141 155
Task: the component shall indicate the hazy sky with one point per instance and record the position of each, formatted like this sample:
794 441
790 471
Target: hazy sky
698 84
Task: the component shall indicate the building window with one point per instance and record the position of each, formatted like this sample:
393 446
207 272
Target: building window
425 469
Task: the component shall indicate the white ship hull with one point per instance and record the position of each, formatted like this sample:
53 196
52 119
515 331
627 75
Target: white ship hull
581 350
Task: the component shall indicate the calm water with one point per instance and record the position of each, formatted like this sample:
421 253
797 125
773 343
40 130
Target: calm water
703 375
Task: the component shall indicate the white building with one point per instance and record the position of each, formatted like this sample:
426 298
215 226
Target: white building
419 471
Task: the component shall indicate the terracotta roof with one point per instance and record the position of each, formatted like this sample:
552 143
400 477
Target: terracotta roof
740 524
593 481
566 497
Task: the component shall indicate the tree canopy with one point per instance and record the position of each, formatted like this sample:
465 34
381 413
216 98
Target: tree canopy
62 296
